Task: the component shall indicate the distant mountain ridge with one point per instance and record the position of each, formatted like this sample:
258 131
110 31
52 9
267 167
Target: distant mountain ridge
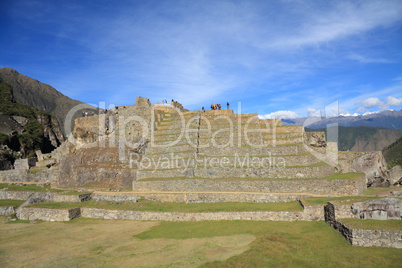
38 95
364 139
386 119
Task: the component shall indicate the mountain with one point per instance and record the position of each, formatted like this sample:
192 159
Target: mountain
385 119
393 153
24 129
364 139
37 95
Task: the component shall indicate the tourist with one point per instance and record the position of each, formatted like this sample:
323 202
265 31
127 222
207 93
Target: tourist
83 114
227 104
212 106
203 109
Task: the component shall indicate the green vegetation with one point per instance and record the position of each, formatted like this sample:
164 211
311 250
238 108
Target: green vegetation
393 153
281 244
32 139
35 188
373 224
325 200
11 203
376 190
147 205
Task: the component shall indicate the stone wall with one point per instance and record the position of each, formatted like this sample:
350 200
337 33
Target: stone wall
49 214
43 196
6 211
318 187
379 209
181 216
21 175
114 198
376 238
360 237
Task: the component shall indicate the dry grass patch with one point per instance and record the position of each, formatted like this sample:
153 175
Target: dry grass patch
95 243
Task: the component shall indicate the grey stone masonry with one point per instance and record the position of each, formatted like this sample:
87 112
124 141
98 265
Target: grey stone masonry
380 209
318 187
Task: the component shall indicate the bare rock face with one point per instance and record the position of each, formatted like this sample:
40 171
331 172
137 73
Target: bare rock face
374 166
95 167
379 209
51 129
395 175
316 139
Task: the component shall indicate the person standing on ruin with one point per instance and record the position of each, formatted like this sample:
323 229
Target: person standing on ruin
203 109
212 106
227 104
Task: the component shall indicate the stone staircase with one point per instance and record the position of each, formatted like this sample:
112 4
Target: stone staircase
216 154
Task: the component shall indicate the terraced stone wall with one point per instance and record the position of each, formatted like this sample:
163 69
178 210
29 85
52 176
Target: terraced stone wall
317 187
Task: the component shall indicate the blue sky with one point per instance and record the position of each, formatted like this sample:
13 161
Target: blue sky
284 58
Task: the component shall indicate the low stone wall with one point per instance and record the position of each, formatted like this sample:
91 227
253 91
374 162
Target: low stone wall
49 214
6 211
21 175
313 212
376 238
114 198
45 196
320 187
360 237
181 216
219 197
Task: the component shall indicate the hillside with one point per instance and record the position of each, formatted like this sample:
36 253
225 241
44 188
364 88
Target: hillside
393 153
364 139
37 95
24 129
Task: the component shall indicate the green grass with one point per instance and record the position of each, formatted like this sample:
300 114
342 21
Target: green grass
281 244
28 187
376 190
335 176
11 203
373 224
35 188
147 205
325 200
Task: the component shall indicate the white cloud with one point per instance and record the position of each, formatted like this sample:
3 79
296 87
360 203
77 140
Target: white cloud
370 103
392 101
311 111
280 114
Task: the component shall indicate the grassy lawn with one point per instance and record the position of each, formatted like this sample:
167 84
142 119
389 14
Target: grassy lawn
28 187
95 243
325 200
373 224
35 188
376 190
11 203
336 176
147 205
282 244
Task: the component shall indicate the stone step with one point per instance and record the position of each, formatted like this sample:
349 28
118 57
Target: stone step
308 187
270 136
181 160
170 149
173 137
207 197
239 172
273 160
283 141
282 129
293 149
